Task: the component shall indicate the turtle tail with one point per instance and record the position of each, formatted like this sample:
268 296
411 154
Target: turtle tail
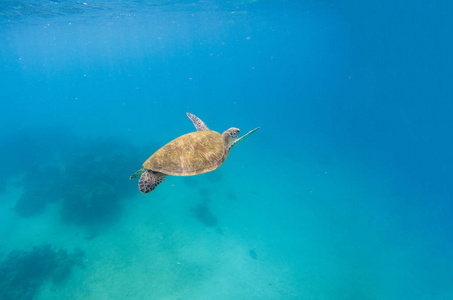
149 180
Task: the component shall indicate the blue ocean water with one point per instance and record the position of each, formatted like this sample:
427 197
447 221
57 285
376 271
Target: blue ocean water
344 192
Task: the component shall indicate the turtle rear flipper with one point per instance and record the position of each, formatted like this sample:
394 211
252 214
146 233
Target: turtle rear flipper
149 180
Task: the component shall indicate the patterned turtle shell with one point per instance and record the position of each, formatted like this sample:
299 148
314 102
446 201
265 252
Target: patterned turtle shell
190 154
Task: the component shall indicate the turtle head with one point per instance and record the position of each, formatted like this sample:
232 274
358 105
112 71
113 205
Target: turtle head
230 135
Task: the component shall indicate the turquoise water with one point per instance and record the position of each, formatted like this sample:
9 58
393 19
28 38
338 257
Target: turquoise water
344 193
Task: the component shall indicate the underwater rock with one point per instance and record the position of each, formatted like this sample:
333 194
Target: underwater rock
23 272
42 187
31 203
95 182
84 206
88 177
204 214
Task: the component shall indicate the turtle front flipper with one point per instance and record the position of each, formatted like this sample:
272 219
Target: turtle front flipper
149 180
199 124
241 139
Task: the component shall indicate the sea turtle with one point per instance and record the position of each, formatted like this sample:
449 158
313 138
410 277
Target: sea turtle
191 154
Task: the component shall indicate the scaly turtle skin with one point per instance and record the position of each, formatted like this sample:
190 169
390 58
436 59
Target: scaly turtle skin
191 154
